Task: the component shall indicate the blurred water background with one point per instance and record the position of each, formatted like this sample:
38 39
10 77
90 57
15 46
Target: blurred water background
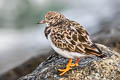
21 38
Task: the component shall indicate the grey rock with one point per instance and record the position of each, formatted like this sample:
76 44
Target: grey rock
90 68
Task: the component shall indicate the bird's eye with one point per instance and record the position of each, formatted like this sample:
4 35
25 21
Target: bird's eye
51 18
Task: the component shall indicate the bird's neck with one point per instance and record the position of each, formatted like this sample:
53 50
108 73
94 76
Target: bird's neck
49 27
47 31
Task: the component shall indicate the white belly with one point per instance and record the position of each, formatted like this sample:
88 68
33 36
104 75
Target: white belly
65 53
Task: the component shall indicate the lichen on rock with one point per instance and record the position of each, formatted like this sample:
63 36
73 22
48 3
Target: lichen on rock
90 68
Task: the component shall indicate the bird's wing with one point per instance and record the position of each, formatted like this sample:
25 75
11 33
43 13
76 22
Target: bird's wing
74 38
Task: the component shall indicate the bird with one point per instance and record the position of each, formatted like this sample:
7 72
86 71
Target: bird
69 39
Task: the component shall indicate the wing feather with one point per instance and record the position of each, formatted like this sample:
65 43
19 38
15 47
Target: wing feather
74 38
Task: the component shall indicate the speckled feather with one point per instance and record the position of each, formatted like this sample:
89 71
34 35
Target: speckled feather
69 35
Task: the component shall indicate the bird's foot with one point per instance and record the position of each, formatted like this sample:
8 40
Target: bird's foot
74 65
63 71
67 68
69 65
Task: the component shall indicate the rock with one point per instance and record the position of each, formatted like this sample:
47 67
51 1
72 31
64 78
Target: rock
90 68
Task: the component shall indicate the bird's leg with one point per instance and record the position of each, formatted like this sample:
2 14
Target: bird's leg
67 67
76 63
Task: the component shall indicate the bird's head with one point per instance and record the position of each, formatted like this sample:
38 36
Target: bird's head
53 18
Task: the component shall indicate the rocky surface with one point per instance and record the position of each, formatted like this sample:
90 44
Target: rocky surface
90 68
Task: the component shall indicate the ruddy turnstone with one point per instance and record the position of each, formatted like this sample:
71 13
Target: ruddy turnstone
69 39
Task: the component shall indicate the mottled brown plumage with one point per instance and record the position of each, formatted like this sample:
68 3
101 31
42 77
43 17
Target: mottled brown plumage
68 37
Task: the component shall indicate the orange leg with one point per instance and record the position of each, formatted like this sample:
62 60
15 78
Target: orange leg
68 66
76 63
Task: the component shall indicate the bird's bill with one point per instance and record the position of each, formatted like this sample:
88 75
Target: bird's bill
42 22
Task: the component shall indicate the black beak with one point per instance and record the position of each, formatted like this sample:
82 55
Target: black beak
42 22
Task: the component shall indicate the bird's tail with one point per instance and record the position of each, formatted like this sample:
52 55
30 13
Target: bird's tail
95 51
